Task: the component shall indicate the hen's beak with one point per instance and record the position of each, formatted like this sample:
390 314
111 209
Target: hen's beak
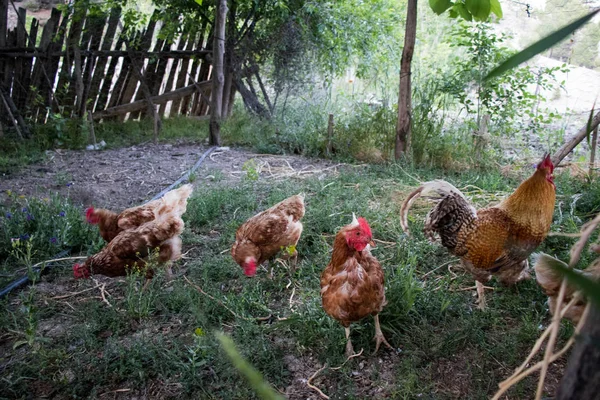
372 243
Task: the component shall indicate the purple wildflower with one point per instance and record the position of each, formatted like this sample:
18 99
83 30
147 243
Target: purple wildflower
53 240
69 184
8 215
62 214
24 237
29 217
24 209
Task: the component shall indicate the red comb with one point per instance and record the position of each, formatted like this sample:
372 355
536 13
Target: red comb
547 163
364 226
89 215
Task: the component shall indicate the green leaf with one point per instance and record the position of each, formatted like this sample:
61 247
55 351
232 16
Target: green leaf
588 286
262 388
199 2
480 9
496 8
539 46
462 10
439 6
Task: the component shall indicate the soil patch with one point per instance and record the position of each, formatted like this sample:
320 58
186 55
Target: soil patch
120 178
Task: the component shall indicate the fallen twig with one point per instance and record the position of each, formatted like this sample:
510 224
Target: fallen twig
64 296
313 387
435 269
348 359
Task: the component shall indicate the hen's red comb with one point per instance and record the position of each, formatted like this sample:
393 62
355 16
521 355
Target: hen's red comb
547 163
364 226
89 215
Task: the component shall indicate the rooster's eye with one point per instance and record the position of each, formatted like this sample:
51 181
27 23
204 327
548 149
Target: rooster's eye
357 233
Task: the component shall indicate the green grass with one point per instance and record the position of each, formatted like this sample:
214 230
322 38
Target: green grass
149 342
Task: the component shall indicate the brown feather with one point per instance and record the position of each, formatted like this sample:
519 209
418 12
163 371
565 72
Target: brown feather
263 235
495 240
352 284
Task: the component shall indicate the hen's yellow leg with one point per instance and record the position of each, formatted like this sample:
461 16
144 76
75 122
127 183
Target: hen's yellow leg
379 338
349 348
480 295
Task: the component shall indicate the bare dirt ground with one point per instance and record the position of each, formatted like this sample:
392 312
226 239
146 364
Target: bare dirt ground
120 178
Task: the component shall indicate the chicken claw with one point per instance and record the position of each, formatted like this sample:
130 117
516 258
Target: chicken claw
480 296
379 338
349 348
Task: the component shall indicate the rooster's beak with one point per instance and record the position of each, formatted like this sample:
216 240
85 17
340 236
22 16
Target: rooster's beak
372 243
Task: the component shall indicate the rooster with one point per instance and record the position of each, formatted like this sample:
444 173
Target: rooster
111 224
265 234
129 248
495 240
352 283
550 280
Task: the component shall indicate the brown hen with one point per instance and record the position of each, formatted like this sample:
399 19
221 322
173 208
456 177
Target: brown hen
265 234
495 240
352 284
550 280
111 224
130 248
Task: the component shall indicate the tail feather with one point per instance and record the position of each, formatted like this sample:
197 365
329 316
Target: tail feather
446 218
175 201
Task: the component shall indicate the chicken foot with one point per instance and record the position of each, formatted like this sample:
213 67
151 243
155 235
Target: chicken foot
480 295
349 348
379 338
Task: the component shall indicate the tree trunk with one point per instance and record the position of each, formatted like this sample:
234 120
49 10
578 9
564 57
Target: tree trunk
581 380
218 78
571 144
403 129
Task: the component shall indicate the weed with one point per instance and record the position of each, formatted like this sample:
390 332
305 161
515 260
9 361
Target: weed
148 339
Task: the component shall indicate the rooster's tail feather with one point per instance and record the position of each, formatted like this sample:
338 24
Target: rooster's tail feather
436 190
447 217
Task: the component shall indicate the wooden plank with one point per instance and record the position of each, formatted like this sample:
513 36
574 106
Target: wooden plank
121 84
182 75
203 106
95 27
151 72
3 31
19 91
67 77
107 42
138 62
9 66
27 66
187 102
41 78
140 104
105 89
198 97
55 60
30 52
173 72
3 22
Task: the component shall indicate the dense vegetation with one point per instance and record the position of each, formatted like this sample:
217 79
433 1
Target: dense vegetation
90 338
162 339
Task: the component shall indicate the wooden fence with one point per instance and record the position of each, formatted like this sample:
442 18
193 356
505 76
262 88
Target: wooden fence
76 64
